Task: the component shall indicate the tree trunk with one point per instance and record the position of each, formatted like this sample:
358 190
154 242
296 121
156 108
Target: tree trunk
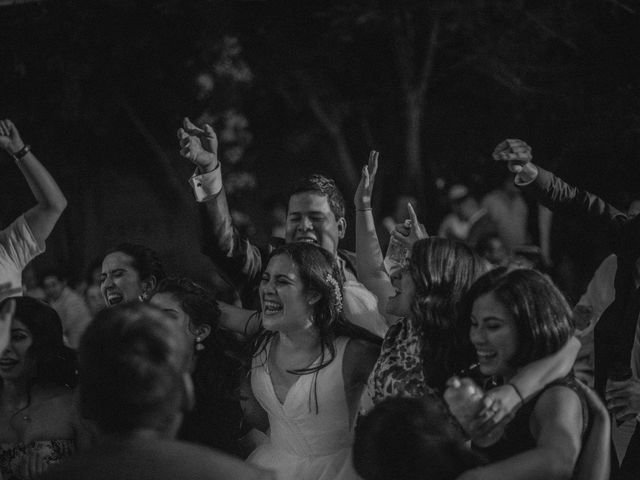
414 178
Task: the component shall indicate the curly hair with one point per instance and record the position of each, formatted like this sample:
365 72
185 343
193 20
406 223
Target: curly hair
218 370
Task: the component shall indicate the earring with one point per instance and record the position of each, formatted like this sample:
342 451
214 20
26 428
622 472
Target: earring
143 297
199 346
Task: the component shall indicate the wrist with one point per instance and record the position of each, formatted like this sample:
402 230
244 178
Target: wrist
21 153
517 392
527 175
363 208
13 149
208 167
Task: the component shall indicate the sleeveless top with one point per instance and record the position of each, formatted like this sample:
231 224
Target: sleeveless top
517 436
310 436
13 456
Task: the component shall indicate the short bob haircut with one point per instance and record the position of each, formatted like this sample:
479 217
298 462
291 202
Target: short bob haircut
133 359
542 315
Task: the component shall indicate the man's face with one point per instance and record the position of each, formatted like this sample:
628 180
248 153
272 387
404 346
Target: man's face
53 287
310 219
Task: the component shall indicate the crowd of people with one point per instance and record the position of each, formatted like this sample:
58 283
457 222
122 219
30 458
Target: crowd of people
459 360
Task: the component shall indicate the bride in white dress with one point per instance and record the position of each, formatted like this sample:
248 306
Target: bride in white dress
309 367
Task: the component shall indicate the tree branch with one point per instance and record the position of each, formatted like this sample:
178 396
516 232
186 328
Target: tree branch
427 67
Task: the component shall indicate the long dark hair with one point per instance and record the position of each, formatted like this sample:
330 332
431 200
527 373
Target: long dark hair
54 362
319 273
443 271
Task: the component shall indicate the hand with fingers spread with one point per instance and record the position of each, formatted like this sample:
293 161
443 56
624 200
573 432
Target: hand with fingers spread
10 140
364 192
411 231
199 145
623 399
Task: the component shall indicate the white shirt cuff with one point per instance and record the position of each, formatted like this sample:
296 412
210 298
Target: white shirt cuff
206 185
525 178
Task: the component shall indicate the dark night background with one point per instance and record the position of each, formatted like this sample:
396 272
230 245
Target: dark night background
98 88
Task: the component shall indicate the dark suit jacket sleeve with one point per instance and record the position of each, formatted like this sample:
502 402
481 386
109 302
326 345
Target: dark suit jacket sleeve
558 196
238 259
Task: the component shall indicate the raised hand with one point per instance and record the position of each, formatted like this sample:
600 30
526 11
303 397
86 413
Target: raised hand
411 231
10 140
362 197
516 152
200 146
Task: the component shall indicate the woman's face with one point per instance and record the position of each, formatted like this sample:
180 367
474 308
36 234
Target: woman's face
285 305
119 281
16 362
400 304
173 308
494 335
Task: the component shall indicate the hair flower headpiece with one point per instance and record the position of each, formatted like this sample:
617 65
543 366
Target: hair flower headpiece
337 292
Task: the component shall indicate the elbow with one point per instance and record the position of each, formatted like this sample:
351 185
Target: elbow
54 205
60 205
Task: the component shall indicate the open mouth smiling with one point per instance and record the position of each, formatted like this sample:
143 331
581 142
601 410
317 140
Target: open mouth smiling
114 298
270 307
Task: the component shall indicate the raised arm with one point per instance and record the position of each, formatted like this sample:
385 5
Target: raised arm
553 192
237 257
369 258
51 202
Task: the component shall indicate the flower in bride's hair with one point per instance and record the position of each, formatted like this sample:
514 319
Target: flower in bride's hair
336 291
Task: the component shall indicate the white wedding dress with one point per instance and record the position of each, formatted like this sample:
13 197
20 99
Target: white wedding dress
305 444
